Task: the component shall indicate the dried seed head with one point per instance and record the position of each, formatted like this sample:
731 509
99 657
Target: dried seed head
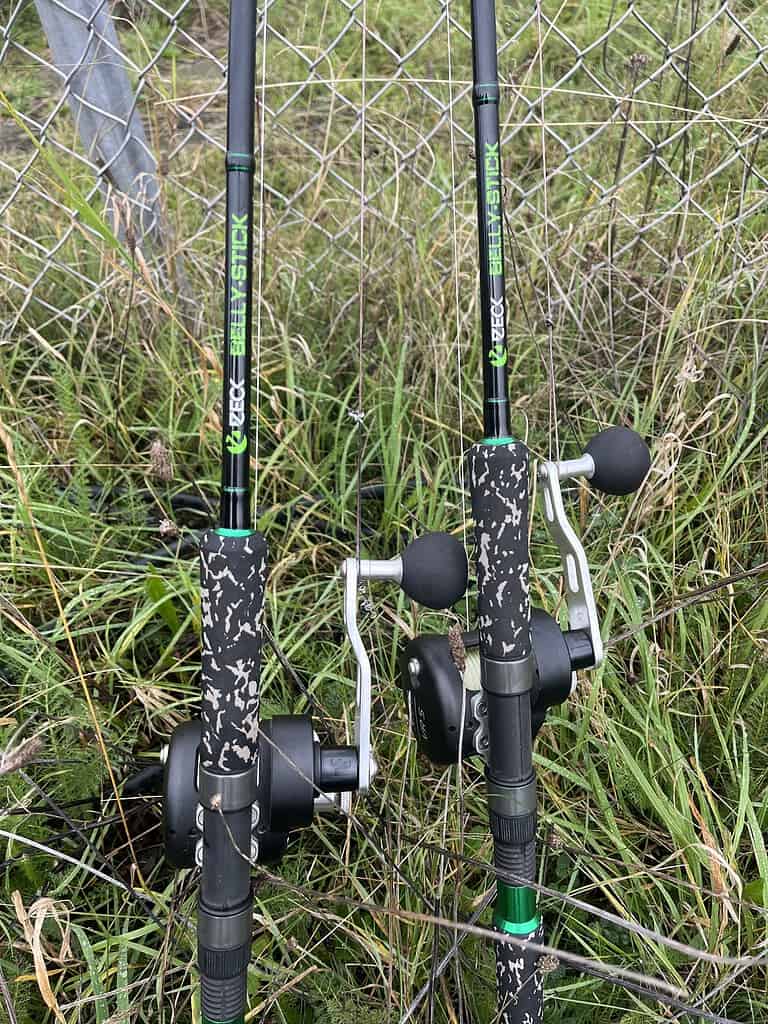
637 62
168 528
19 757
456 645
548 963
160 464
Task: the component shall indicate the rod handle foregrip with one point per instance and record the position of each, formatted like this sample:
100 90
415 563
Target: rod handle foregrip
519 981
498 483
233 573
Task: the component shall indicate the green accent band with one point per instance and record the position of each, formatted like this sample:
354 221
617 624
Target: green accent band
515 910
247 156
236 490
523 928
246 170
224 532
499 440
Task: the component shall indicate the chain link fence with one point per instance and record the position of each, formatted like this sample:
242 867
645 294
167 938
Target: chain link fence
635 173
633 149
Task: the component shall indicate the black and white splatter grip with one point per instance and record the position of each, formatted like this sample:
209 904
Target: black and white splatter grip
498 483
520 982
232 577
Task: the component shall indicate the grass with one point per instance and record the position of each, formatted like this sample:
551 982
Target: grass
653 774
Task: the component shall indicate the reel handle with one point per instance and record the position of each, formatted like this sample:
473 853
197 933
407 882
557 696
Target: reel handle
433 571
615 461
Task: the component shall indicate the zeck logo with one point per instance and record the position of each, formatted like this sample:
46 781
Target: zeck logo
497 356
236 442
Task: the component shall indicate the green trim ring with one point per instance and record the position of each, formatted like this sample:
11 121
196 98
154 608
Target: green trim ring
223 531
515 911
498 440
521 928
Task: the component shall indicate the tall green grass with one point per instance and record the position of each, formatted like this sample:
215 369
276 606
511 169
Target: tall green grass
652 775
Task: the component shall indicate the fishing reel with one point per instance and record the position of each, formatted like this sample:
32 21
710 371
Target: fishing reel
441 675
298 776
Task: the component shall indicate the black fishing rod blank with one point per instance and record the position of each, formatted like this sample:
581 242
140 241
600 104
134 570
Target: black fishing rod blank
238 300
498 484
233 567
493 312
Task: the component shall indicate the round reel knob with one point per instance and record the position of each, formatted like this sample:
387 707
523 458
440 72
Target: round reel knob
435 570
622 460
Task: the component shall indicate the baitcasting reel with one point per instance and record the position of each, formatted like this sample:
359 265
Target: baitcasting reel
296 774
441 674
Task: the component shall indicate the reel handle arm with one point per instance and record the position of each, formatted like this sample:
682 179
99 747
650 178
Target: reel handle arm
431 570
615 461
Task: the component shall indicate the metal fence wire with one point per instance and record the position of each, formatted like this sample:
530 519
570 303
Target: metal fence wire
632 136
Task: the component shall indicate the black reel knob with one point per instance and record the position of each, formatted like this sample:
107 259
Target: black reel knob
435 570
622 460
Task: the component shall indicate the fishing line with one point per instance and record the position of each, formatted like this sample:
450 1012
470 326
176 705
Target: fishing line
554 450
359 414
436 970
260 271
456 292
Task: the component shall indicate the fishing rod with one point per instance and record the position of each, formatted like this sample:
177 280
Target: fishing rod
234 786
518 663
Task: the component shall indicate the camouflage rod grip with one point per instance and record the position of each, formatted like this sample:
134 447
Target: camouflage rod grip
233 573
233 567
520 983
498 483
498 480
